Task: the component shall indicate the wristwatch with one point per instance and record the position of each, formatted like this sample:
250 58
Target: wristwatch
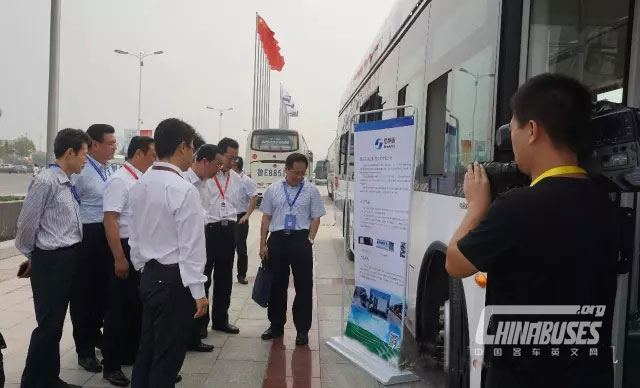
311 240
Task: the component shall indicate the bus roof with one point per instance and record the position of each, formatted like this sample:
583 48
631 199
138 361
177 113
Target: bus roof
397 21
274 130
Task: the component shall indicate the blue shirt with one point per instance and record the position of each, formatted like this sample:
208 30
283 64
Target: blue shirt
90 186
309 205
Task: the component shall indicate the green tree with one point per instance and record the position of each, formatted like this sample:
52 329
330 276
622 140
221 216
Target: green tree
23 146
5 148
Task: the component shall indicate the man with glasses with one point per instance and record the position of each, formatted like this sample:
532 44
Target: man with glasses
221 213
93 267
292 209
207 162
168 246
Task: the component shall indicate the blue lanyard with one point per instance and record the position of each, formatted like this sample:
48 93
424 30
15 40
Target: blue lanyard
284 186
72 186
98 170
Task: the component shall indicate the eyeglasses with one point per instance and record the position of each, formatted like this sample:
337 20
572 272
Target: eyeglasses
189 145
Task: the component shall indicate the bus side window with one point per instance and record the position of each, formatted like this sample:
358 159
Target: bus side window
435 126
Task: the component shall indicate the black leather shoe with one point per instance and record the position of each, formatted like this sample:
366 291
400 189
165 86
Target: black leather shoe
201 347
242 280
204 333
178 379
61 384
90 364
302 339
116 378
272 333
228 328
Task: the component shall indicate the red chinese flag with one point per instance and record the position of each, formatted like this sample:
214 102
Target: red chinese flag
270 45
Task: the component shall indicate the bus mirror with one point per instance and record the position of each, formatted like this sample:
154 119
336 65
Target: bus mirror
503 138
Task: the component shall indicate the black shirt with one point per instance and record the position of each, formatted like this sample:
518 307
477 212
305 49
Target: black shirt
555 243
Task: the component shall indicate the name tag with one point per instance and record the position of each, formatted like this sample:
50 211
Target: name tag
290 221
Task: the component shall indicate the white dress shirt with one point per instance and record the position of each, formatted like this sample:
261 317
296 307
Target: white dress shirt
166 225
116 195
214 210
90 184
249 191
201 185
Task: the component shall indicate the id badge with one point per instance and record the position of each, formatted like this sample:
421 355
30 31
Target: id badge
290 221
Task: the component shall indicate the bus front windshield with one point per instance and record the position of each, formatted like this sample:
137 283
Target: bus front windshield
275 141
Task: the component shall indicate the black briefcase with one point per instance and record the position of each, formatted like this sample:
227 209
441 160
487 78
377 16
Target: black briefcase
262 285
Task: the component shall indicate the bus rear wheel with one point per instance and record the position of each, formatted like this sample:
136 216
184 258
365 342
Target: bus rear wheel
443 337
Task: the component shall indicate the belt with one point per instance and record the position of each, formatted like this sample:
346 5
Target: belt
222 223
155 263
287 232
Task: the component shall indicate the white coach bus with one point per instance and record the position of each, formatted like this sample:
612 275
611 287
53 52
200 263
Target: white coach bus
458 62
266 152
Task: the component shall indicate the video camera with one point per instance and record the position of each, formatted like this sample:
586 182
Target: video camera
614 161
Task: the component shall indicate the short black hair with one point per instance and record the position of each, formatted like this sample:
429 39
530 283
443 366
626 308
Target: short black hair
560 104
296 157
207 151
97 131
239 163
198 141
69 138
227 142
169 134
141 143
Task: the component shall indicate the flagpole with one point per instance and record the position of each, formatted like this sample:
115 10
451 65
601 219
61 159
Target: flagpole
268 93
261 83
265 115
255 58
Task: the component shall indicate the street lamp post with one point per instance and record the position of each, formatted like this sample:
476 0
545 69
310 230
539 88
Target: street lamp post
477 77
221 113
141 56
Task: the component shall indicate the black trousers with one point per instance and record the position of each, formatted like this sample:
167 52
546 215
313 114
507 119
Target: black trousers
293 250
51 277
220 251
1 371
90 289
167 319
242 231
123 318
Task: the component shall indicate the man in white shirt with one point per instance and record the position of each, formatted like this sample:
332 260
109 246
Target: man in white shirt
221 216
208 161
246 205
91 277
168 246
123 317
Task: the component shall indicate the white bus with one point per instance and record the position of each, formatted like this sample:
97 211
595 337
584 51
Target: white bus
266 152
458 62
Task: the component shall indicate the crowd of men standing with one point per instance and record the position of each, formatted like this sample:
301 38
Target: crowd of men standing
131 250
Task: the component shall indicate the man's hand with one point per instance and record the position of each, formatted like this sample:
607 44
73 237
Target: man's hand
122 267
244 219
263 251
27 272
202 305
477 189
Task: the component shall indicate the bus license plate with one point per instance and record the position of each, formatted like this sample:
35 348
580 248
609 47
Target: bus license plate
270 172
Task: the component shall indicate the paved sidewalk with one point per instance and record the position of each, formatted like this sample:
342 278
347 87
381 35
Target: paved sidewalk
244 360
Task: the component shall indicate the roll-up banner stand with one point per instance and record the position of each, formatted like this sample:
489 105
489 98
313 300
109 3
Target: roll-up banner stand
383 171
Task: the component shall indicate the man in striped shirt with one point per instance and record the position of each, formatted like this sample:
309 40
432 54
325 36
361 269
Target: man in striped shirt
123 317
292 209
49 230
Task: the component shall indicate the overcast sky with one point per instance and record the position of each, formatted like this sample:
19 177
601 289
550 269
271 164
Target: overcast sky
208 60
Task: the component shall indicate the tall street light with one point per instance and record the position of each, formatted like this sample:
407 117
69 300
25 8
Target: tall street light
221 112
477 77
141 56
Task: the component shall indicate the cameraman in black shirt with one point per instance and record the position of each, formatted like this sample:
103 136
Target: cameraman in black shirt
553 243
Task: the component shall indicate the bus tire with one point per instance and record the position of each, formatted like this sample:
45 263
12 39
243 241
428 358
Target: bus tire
440 304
